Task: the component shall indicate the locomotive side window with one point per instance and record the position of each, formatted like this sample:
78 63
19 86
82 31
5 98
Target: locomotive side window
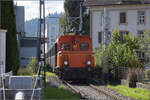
84 46
65 46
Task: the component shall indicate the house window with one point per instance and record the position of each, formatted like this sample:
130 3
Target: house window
141 17
99 37
123 18
140 33
141 55
123 33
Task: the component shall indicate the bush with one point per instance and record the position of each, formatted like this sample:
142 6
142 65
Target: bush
135 75
132 77
62 87
98 53
30 69
24 71
32 65
147 74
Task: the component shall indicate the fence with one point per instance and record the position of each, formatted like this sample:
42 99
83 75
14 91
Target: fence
125 73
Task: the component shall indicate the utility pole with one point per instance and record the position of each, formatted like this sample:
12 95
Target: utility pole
81 19
74 19
42 37
105 35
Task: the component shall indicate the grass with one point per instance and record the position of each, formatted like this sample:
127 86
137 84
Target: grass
59 93
49 74
136 93
24 72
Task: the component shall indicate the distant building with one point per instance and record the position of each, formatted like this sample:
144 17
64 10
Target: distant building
27 45
128 16
53 28
20 19
28 49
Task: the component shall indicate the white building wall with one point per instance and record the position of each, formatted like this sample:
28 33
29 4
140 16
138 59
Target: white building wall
2 51
114 11
96 22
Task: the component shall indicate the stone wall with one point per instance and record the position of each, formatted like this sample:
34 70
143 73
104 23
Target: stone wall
142 86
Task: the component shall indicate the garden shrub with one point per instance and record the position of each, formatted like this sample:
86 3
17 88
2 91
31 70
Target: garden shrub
132 77
30 69
135 75
147 74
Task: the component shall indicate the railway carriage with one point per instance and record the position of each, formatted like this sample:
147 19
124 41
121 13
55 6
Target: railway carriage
72 57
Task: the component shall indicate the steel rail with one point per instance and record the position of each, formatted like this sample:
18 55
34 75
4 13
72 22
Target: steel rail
83 96
106 93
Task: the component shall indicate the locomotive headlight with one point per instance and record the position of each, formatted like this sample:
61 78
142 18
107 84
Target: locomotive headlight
89 62
65 62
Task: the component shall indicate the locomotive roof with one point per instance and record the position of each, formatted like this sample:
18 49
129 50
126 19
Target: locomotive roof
66 36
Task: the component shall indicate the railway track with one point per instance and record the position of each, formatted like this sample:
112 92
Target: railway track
105 92
91 92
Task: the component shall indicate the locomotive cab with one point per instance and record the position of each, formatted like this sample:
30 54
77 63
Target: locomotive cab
75 58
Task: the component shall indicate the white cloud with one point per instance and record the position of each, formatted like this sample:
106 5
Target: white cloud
32 7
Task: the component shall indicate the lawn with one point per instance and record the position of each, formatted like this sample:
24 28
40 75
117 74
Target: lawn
50 74
59 93
136 93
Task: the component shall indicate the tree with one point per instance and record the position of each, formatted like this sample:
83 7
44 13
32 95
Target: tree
145 44
122 51
8 22
70 20
119 52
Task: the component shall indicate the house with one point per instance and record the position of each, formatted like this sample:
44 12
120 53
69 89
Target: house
128 16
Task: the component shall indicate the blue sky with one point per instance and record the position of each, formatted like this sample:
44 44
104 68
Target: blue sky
32 7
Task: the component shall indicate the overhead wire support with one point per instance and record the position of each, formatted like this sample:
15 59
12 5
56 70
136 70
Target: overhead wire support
44 46
81 18
41 38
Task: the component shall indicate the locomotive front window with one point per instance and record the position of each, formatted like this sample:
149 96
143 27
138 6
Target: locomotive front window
65 46
84 46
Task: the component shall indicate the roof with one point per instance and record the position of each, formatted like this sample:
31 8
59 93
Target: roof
114 2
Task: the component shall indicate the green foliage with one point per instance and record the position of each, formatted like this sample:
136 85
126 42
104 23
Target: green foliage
50 74
62 87
55 93
136 93
147 74
24 72
32 65
8 22
72 9
121 51
145 44
63 22
31 68
98 56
